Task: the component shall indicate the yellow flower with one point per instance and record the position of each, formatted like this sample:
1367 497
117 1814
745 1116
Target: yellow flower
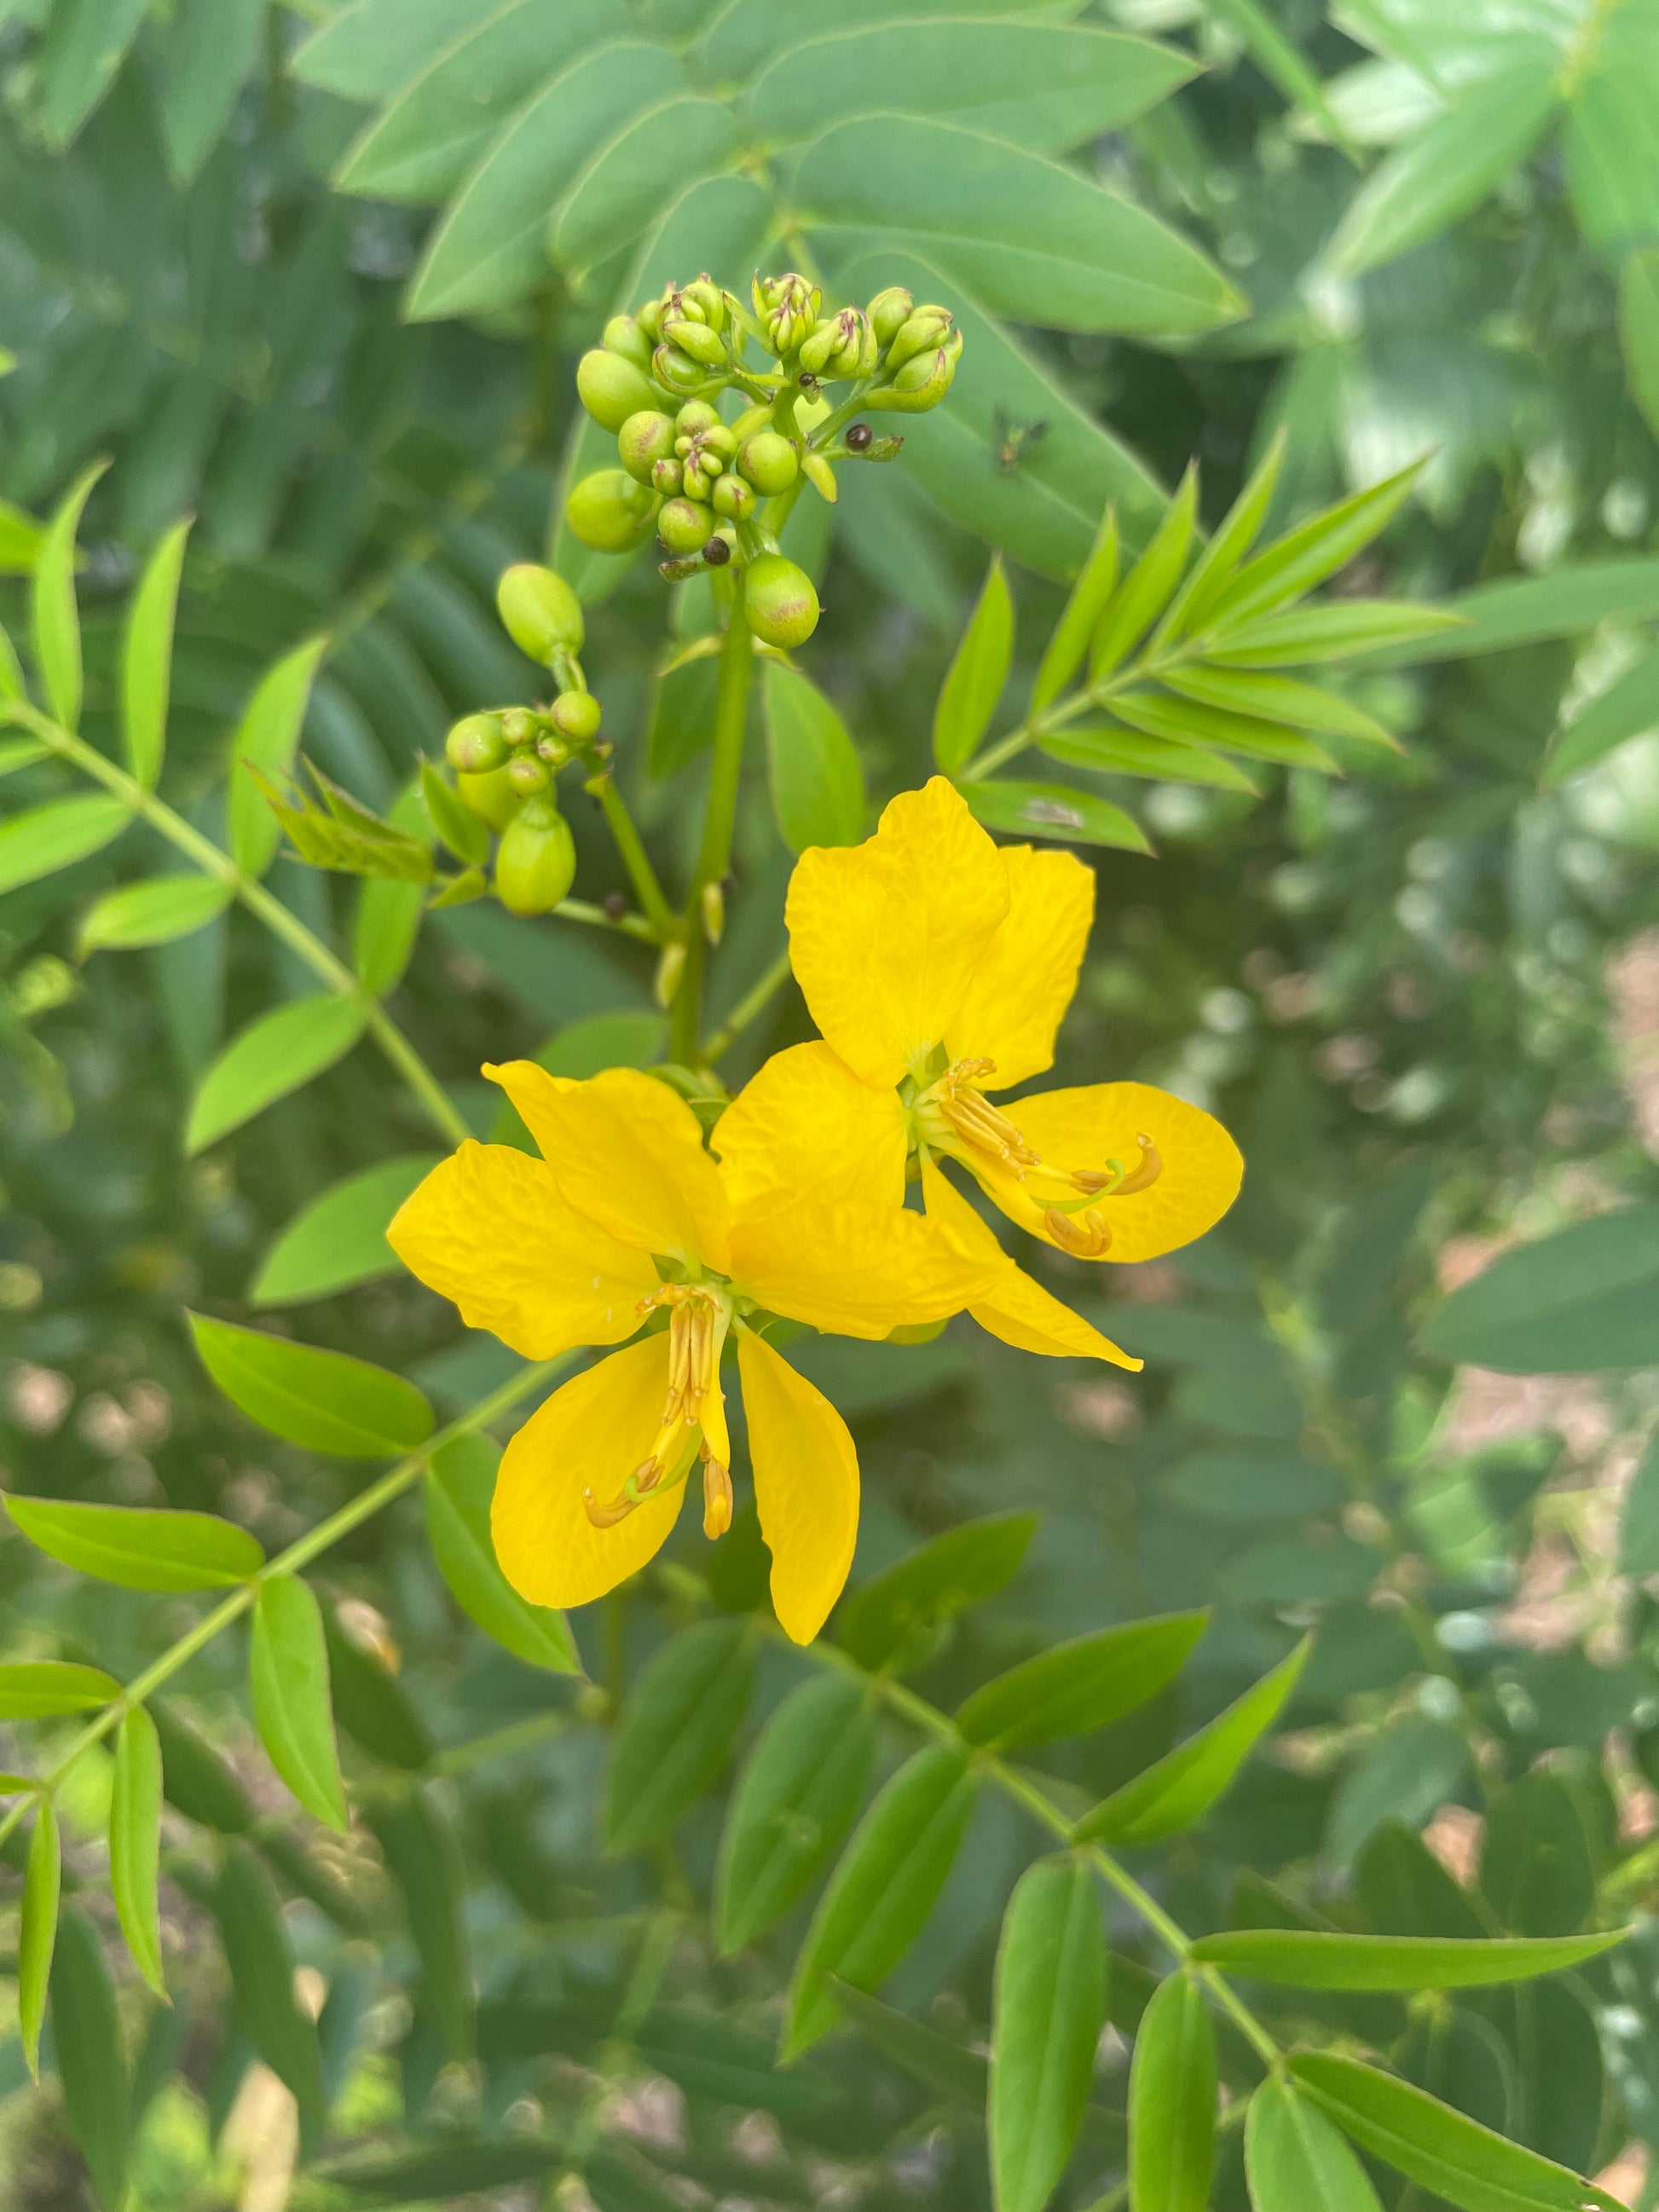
627 1218
938 965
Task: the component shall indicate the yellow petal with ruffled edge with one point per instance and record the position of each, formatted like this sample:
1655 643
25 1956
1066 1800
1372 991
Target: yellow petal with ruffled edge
490 1231
805 1123
853 1270
884 936
590 1434
1018 1310
1024 981
806 1487
1084 1129
629 1153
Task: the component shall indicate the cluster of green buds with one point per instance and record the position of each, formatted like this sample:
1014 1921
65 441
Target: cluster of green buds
505 761
717 491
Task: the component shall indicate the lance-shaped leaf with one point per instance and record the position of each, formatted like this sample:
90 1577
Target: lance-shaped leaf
262 1984
140 1547
1145 591
1097 581
1639 330
1182 1786
346 837
979 669
1080 1686
56 621
135 1821
677 1730
1329 632
894 1613
654 155
266 740
37 1931
926 2055
147 657
213 48
279 1052
154 911
86 2035
1308 1958
818 784
885 1886
288 1674
459 1487
372 1705
1442 2151
425 1859
196 1781
1218 563
1297 2161
1629 706
1048 2010
1584 1300
1188 720
799 1790
1054 811
44 839
338 1240
322 1400
1275 698
1111 751
42 1689
1308 555
1172 2100
1536 1868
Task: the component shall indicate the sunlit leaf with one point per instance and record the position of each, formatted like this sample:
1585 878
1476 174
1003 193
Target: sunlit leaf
140 1547
288 1671
793 1802
1049 2009
134 1818
323 1400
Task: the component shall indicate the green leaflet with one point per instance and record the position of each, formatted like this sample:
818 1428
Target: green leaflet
1639 330
1629 706
147 661
55 620
886 1884
654 155
1080 617
37 1933
262 1984
1144 591
288 1675
371 48
372 1705
1083 1685
1172 2100
338 1240
459 1487
135 1842
215 44
322 1400
677 1730
86 42
1536 1870
266 739
1279 699
424 1855
891 1617
195 1780
974 682
42 1689
1306 556
1586 1299
1296 2159
793 1802
154 911
86 2036
1182 1786
1308 1958
1053 811
1048 2011
139 1546
46 838
278 1052
926 2055
1110 750
818 784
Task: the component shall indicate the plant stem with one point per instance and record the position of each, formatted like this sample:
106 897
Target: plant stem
730 716
300 1554
664 922
753 1003
214 861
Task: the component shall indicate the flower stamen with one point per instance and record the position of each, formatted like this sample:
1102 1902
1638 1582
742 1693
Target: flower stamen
1086 1233
716 1496
694 1406
953 1116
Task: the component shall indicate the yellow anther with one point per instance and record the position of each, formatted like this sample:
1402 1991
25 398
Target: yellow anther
716 1496
1147 1173
607 1517
1085 1234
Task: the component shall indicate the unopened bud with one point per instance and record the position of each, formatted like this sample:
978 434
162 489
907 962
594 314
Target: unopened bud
576 715
644 439
610 512
476 745
696 339
751 419
491 797
889 311
920 385
670 968
844 346
527 774
535 864
611 388
665 478
779 601
694 418
683 526
733 498
919 333
648 319
539 612
518 725
713 912
769 461
787 308
678 371
819 474
623 335
704 302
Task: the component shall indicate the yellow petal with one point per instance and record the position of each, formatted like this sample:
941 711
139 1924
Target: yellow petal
806 1487
488 1229
1084 1129
627 1154
1025 982
590 1434
884 936
1018 1310
806 1123
856 1270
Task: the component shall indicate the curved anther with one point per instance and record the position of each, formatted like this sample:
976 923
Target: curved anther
607 1517
1143 1176
716 1496
1087 1234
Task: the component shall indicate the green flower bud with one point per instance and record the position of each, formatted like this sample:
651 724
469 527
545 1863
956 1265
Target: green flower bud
539 612
643 440
843 345
787 308
491 796
922 383
527 774
695 417
702 300
683 526
610 388
678 371
696 339
769 461
476 744
665 479
610 512
889 311
519 726
778 600
733 498
623 335
576 715
693 483
919 333
758 417
536 864
648 319
717 440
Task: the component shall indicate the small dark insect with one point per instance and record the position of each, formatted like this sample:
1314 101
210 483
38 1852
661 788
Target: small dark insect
1011 441
716 553
859 438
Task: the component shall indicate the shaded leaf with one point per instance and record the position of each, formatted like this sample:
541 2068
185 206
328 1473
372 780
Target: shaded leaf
338 1240
322 1400
1083 1685
818 784
656 153
262 1984
1172 2100
1048 2011
1628 708
1584 1300
195 1780
1054 811
288 1673
1639 330
979 669
86 42
459 1487
86 2035
1536 1870
154 911
425 1859
279 1052
887 1618
926 2055
677 1730
214 45
135 1817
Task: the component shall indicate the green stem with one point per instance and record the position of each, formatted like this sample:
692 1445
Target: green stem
298 1554
630 925
213 860
730 716
663 921
748 1008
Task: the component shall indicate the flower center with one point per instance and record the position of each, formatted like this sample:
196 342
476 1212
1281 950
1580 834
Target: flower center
694 1411
953 1115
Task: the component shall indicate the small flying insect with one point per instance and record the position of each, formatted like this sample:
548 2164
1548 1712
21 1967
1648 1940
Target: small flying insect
1011 441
